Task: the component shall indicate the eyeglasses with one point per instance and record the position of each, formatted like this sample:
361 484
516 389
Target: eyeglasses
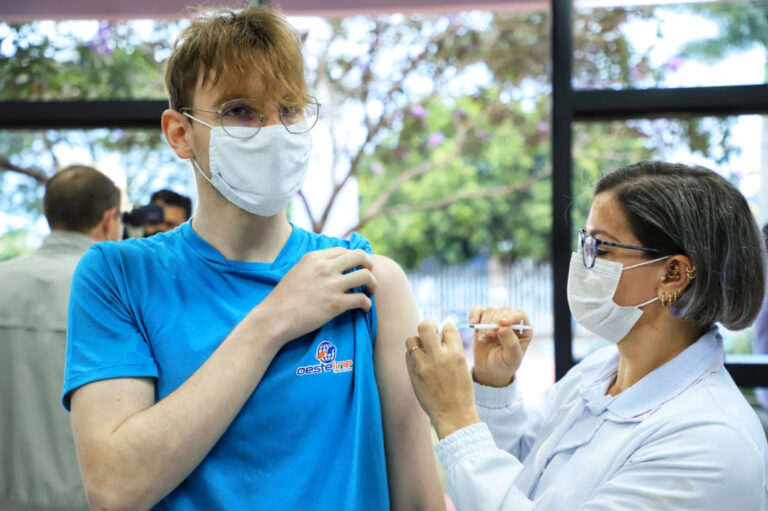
588 246
244 117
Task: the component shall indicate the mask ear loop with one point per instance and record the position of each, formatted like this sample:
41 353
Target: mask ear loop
194 161
643 264
200 170
646 262
649 301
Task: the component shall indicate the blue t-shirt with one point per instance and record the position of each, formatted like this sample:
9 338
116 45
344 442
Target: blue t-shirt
309 437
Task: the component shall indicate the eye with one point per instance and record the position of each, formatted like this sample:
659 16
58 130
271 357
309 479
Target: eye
290 114
240 112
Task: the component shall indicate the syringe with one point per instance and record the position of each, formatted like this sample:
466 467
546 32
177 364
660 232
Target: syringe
493 326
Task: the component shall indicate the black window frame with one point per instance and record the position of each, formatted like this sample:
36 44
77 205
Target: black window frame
569 106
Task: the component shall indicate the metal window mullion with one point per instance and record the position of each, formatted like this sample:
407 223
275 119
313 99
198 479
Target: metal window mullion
562 177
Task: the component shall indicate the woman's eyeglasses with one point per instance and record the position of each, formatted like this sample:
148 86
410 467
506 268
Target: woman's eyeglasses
588 247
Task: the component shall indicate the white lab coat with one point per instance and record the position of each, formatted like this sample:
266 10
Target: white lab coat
683 437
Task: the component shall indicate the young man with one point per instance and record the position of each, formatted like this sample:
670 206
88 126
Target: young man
38 463
240 362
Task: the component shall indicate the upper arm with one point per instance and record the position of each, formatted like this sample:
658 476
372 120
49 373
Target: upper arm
103 337
98 410
410 461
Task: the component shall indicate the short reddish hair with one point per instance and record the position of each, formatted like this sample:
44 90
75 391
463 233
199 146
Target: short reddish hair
225 44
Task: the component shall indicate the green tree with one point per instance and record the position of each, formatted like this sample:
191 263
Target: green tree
119 62
13 243
741 26
441 120
448 173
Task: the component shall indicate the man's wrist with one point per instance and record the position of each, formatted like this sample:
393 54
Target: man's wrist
259 323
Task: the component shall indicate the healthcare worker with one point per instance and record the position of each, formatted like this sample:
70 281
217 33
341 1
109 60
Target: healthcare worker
652 423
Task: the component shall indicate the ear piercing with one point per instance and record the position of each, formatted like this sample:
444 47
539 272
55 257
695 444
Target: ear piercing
671 274
668 300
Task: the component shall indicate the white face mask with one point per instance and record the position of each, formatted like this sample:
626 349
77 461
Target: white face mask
259 174
590 296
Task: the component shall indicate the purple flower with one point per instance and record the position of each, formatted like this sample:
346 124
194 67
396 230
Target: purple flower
105 31
483 135
674 64
418 111
377 168
544 127
100 41
435 139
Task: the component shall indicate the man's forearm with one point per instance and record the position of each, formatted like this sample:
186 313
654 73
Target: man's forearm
135 463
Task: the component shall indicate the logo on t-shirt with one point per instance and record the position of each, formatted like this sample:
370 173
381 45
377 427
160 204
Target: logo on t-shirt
325 354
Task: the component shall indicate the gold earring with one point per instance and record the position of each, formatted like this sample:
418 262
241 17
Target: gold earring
663 299
690 273
673 273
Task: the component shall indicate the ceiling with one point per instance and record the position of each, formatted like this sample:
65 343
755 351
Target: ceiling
28 10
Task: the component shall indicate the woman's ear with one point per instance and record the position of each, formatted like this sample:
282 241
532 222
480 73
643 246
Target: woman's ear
676 276
175 129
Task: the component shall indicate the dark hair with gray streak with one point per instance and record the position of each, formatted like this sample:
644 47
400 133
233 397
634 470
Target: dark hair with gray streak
691 210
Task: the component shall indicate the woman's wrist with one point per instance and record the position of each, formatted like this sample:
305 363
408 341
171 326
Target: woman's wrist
492 381
444 426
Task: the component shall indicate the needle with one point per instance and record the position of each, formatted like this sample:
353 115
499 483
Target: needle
493 326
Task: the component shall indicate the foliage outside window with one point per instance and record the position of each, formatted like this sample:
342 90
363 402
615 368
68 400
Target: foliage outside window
440 121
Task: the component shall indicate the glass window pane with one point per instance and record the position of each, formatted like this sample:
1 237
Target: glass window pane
455 183
85 59
139 161
729 145
669 44
433 142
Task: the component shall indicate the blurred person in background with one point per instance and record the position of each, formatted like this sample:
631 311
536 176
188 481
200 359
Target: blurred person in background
653 423
239 361
38 463
177 209
166 211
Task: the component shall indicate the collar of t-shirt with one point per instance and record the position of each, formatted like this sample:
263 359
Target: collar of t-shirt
286 257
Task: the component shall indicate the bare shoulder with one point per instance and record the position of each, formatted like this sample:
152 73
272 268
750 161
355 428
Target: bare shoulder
396 307
389 275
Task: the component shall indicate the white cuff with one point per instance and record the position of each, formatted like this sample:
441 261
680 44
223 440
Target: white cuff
495 397
464 443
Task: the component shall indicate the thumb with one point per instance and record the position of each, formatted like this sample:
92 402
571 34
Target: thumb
508 339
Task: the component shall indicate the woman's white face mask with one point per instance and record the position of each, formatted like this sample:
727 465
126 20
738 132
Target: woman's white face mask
590 297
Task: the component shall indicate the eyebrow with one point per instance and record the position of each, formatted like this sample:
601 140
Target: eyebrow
599 232
225 96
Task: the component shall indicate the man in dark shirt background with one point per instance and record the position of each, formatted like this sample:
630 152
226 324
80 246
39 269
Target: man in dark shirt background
177 209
